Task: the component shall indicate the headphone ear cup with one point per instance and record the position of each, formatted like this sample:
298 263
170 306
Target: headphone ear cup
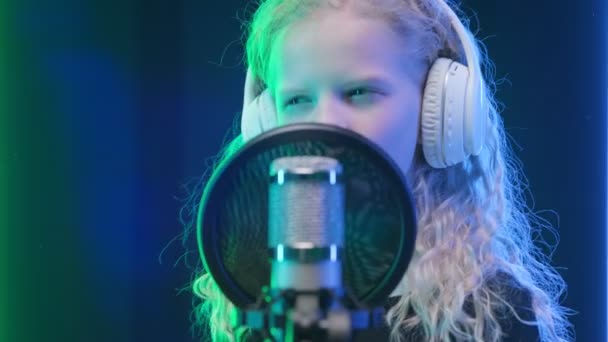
443 131
259 112
431 121
475 116
258 116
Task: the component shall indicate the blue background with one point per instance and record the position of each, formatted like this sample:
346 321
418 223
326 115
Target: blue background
118 106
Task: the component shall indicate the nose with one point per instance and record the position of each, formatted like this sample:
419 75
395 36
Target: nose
331 110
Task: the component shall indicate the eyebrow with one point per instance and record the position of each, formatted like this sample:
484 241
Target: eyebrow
374 80
377 81
290 91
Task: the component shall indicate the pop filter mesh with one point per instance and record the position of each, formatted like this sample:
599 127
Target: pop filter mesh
379 221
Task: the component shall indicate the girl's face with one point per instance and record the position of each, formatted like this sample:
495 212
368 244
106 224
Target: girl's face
338 68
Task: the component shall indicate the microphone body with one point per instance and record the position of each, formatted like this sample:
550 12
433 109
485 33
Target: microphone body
306 239
306 223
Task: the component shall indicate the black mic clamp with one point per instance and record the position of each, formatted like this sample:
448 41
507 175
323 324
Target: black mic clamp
297 315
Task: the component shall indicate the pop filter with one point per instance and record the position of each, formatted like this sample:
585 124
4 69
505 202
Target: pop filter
379 222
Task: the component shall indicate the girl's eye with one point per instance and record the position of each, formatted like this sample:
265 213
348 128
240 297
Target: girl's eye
361 95
295 101
357 92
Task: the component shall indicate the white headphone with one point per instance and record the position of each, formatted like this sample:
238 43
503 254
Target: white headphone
259 112
454 109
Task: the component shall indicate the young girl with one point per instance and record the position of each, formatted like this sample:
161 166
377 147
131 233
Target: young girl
381 68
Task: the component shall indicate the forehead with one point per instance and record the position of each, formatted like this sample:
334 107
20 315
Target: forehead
334 44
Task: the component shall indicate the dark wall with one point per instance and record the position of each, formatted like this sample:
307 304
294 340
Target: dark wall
108 107
554 57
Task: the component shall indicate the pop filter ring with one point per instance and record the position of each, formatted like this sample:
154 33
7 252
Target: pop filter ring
211 200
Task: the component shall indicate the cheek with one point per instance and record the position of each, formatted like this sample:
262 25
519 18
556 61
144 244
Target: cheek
395 130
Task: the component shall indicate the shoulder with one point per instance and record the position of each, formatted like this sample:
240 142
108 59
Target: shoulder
516 295
512 322
517 323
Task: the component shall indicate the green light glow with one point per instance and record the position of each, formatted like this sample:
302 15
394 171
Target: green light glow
4 210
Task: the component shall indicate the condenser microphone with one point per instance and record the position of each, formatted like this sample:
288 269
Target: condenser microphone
306 239
306 223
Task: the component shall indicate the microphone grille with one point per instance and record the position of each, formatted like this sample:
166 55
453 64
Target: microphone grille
306 202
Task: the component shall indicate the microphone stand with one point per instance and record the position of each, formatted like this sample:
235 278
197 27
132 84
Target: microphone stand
296 315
